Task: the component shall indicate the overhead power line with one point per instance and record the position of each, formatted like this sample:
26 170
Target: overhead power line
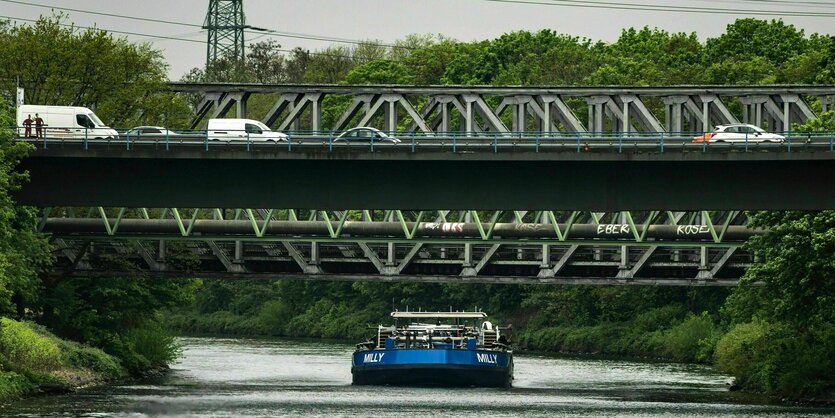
165 37
260 31
121 32
786 2
601 4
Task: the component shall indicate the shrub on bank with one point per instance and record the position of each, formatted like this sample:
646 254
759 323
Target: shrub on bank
220 322
85 357
778 359
31 356
79 356
659 318
24 350
153 343
657 333
692 340
13 385
735 351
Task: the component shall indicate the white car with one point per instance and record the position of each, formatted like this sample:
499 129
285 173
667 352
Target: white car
242 130
739 133
365 135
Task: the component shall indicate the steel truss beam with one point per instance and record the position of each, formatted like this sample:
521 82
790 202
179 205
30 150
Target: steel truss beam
656 247
542 109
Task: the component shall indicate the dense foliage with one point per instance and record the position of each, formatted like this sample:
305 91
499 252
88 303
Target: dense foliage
778 338
750 51
782 335
30 355
23 253
118 315
58 64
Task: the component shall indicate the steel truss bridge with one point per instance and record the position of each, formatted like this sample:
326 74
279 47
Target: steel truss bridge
592 239
518 109
697 248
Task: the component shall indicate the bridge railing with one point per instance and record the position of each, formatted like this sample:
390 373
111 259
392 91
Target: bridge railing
454 141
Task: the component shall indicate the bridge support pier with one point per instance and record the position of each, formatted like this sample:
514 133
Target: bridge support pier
391 255
239 252
826 102
546 249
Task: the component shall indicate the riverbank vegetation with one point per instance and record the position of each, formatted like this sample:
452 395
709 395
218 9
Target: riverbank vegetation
78 331
777 338
58 332
33 359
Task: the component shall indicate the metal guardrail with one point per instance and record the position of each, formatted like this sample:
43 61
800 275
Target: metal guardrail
440 141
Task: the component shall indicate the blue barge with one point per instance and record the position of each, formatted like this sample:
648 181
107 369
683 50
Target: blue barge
435 349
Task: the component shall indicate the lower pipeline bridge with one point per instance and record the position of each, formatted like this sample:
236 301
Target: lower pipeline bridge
519 247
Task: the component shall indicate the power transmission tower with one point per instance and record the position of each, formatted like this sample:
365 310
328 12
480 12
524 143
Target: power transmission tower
225 22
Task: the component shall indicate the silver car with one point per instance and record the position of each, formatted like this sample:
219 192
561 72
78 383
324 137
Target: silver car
365 135
150 132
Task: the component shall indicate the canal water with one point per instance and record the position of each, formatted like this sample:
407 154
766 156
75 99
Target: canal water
238 377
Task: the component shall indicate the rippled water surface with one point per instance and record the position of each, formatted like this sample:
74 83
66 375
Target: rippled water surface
229 377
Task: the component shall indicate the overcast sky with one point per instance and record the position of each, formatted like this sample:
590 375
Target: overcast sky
388 20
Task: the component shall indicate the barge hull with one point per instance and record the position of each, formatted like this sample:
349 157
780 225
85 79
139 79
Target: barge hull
437 375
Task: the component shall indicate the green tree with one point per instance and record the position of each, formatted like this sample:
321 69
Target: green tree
773 40
369 51
825 122
650 57
266 62
404 48
297 64
118 314
428 64
797 267
379 72
329 66
782 335
471 64
23 252
61 65
746 69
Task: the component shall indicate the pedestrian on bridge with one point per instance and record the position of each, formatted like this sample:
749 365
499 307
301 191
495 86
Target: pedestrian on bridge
38 126
27 126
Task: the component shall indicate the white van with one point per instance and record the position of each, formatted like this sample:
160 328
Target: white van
65 122
242 130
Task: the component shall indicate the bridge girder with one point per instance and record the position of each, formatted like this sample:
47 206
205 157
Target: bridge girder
551 109
523 247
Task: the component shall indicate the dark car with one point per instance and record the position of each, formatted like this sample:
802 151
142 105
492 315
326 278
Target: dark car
365 135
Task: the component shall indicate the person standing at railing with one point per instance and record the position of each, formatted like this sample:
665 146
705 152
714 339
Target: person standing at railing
39 126
27 126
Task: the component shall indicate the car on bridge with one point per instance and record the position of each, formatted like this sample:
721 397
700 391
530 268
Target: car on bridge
740 132
63 122
365 134
229 130
150 132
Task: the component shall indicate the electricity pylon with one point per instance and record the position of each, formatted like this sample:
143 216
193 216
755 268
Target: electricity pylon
225 22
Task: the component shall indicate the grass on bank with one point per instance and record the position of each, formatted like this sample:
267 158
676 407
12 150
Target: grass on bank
769 358
658 333
31 356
